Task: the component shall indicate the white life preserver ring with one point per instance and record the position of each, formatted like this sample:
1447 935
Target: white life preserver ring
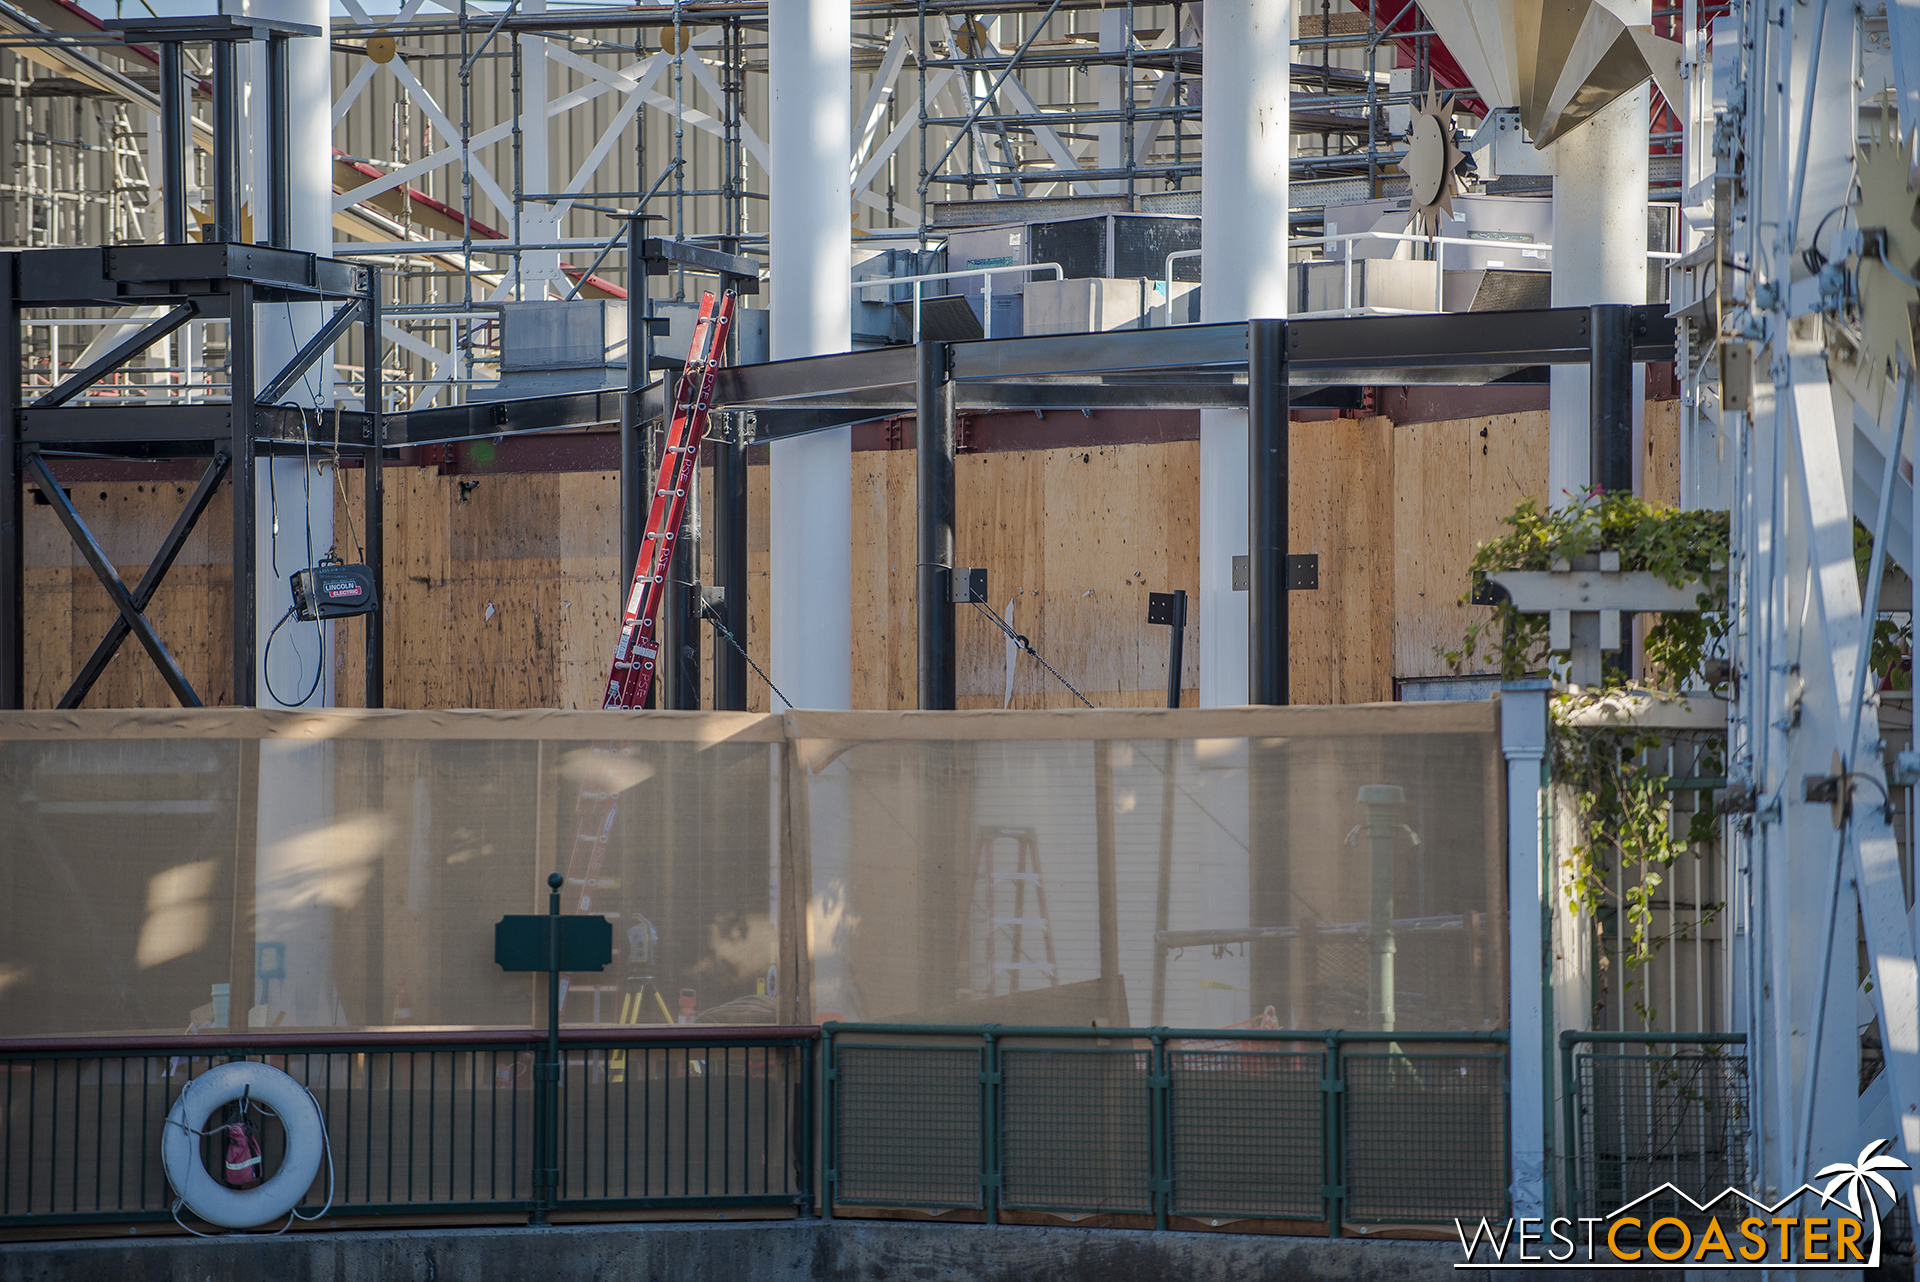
299 1115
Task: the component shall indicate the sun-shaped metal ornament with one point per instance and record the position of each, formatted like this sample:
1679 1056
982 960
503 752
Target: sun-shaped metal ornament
1432 154
1889 221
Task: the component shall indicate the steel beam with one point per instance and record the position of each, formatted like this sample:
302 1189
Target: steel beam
1610 391
741 274
173 149
730 565
279 172
226 144
339 323
117 355
1267 507
245 501
376 493
13 602
95 424
933 436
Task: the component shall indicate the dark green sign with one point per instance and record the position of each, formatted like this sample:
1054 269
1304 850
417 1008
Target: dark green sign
520 943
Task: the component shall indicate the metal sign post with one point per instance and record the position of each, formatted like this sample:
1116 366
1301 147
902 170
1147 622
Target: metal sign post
551 943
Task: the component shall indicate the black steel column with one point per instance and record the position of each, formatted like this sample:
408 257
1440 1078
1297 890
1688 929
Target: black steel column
730 564
279 173
635 481
679 678
1176 649
13 595
1610 378
245 558
933 470
1267 505
173 152
376 495
226 145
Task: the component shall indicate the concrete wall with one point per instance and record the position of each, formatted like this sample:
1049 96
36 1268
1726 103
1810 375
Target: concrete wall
844 1250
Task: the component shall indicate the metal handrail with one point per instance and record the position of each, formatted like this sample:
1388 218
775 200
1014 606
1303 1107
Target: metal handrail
877 282
446 1119
220 1041
1346 276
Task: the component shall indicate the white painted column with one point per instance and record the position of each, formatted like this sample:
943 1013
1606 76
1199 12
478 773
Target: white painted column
810 110
1523 741
298 496
1110 85
541 268
1599 256
1244 148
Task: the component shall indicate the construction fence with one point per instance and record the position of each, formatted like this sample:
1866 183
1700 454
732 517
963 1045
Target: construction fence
187 871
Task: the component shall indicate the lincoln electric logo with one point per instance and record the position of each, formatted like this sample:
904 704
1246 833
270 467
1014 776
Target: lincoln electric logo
1731 1231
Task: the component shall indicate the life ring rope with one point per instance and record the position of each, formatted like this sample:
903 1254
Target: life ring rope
326 1145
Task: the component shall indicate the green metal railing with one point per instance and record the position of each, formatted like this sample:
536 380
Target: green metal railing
639 1117
1282 1124
1634 1121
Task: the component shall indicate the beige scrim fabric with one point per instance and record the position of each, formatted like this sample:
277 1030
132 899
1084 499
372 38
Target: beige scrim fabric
1180 868
344 869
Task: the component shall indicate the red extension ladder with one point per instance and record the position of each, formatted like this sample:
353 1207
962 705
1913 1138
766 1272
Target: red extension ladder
637 657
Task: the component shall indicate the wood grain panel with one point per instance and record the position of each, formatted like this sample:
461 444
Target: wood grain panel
1342 510
1452 482
68 612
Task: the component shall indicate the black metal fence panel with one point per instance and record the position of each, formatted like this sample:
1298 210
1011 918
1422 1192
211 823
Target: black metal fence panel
670 1119
915 1138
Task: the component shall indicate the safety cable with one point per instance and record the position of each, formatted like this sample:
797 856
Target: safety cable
707 613
1024 644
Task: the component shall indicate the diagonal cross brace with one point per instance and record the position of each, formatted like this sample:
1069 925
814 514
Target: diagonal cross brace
1869 854
330 333
149 582
116 356
110 579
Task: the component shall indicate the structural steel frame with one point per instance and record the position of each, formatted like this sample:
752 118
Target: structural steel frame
218 282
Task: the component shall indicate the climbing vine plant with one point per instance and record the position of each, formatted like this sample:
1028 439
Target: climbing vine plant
1624 808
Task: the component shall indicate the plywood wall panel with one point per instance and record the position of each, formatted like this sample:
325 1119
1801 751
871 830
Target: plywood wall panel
1076 539
885 557
1452 482
1660 461
68 612
1341 509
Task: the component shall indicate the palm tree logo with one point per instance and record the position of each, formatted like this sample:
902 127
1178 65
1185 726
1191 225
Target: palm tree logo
1862 1175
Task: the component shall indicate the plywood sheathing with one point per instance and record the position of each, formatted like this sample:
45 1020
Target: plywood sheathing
1342 473
1661 463
1076 538
68 612
1452 482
